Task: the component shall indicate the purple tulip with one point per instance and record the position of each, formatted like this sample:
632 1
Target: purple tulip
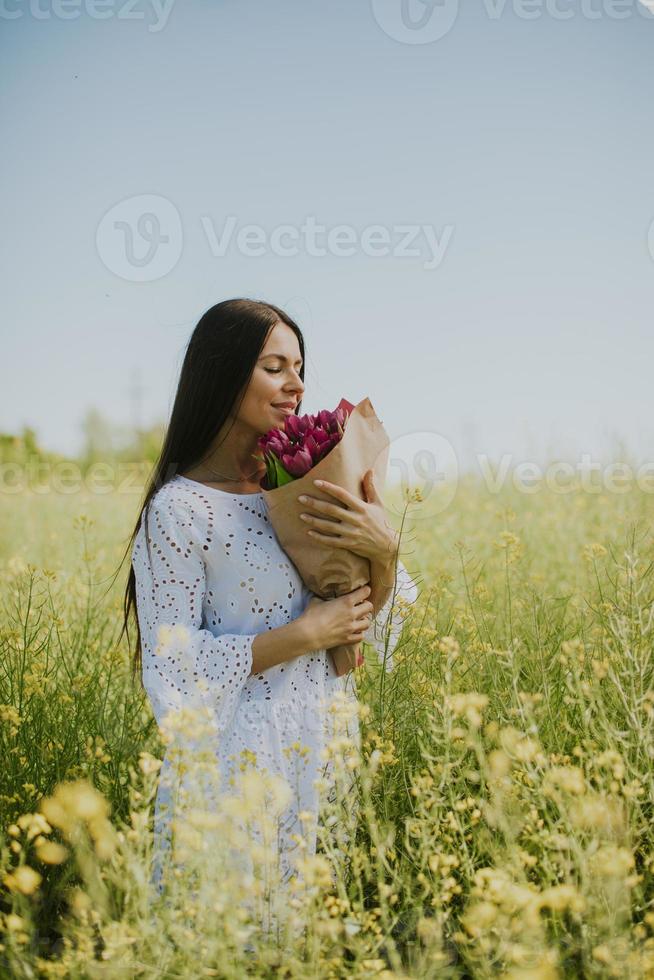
321 437
303 442
311 446
298 464
296 426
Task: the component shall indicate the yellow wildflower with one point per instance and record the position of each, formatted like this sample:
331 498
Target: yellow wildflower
23 879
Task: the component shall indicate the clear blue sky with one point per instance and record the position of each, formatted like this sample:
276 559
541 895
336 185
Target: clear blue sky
531 140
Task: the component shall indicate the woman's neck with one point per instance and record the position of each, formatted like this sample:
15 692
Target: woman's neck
204 475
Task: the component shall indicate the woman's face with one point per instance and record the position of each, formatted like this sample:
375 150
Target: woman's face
275 379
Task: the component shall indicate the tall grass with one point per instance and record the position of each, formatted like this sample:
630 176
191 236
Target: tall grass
495 819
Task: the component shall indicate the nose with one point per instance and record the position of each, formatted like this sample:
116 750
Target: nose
296 386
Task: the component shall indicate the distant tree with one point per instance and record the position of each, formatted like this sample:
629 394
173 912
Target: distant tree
20 448
104 441
98 437
109 441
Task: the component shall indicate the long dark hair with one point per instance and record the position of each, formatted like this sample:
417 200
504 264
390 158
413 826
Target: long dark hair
217 367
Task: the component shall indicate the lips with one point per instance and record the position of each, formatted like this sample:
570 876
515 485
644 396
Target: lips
288 405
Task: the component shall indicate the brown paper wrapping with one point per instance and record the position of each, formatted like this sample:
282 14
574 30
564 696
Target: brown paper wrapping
332 572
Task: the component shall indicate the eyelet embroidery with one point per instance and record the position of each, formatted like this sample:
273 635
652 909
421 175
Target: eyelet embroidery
210 576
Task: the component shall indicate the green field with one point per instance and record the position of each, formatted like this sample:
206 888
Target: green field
504 825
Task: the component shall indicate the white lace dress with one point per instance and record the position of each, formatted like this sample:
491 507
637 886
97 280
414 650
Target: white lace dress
216 573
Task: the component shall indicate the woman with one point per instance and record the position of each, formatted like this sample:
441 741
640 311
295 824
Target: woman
242 636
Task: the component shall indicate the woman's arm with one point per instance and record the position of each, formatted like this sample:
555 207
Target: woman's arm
278 645
185 665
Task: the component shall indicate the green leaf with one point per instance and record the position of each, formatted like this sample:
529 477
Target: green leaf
276 475
282 476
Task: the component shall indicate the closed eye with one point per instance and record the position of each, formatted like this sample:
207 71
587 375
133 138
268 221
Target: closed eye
273 370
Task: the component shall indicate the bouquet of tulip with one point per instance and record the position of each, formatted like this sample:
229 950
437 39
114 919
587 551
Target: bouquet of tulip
338 447
305 439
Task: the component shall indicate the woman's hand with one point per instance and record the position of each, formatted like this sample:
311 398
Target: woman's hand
341 621
359 526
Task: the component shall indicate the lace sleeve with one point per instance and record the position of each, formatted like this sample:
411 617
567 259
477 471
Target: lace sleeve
184 665
386 627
